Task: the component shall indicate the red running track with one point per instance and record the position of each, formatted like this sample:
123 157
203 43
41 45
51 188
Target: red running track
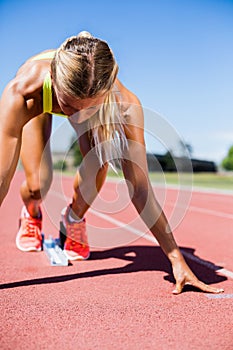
120 298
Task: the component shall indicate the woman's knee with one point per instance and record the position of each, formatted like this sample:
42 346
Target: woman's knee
38 186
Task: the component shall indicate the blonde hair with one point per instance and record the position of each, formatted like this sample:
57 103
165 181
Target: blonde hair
85 67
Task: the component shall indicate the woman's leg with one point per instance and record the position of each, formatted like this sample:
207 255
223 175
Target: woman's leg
88 180
87 184
37 162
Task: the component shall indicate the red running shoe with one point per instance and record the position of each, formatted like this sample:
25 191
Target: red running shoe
29 236
76 244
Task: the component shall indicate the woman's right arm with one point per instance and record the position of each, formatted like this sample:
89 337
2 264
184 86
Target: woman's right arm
13 116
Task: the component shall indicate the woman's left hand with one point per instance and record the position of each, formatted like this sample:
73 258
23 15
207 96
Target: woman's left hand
184 276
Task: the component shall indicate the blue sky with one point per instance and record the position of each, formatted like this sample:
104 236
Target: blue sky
176 56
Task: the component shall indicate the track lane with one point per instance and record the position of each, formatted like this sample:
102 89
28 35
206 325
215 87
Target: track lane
120 298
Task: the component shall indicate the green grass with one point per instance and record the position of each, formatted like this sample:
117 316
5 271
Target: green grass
222 181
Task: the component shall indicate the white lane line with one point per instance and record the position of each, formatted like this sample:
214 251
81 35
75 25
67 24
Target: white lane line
225 272
111 220
219 296
211 212
203 211
124 226
195 190
149 237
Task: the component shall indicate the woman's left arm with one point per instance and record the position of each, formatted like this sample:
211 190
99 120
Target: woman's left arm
135 171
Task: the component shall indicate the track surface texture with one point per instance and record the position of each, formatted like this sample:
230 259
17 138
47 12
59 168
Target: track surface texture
121 298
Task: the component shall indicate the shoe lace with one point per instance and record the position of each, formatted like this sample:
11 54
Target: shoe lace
76 233
31 227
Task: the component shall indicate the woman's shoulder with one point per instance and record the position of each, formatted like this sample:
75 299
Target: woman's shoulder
127 96
44 55
29 78
130 105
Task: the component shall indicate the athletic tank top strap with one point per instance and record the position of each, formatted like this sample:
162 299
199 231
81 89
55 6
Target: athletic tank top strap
47 94
48 97
47 85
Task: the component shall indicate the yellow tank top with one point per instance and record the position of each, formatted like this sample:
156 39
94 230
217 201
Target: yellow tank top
47 85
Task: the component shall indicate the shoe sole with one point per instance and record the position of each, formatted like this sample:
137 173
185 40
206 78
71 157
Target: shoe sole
29 249
73 258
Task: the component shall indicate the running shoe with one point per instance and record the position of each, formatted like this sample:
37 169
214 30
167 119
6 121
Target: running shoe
76 245
29 236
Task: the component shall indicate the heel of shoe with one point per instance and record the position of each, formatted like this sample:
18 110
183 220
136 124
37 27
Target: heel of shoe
62 235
